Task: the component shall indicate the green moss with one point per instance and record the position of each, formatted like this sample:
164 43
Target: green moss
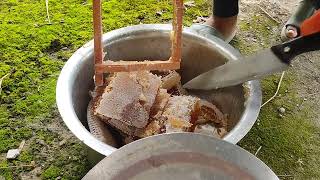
261 28
36 52
259 32
138 11
4 133
5 171
26 157
51 173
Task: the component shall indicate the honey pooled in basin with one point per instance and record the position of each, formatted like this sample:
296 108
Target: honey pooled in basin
141 104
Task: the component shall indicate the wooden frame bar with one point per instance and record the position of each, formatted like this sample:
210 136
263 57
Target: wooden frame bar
98 47
117 66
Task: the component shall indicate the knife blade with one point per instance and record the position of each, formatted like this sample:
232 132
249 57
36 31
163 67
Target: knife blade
263 63
236 72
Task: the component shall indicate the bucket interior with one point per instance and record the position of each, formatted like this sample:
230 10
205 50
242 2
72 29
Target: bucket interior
198 56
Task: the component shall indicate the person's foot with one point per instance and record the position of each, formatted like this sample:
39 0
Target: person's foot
226 26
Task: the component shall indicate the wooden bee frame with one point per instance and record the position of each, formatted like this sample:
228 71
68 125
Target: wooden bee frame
102 67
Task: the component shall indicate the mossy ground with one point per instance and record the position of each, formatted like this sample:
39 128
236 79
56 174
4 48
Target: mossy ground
34 52
289 143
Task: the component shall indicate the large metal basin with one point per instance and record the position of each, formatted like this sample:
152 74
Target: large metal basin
152 42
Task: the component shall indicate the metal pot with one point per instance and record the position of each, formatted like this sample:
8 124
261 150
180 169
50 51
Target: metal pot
186 156
200 54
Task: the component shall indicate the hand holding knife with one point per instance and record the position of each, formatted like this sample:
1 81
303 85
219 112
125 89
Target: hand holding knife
264 63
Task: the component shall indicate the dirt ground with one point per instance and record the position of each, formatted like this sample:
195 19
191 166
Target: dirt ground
301 93
307 66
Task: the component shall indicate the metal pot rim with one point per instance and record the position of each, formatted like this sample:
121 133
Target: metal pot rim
65 105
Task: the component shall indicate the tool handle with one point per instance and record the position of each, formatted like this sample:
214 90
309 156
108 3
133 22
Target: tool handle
311 25
304 11
309 41
287 51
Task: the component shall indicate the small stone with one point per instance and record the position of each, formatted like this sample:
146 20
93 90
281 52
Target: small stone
141 17
64 48
189 4
40 141
23 177
58 178
13 153
159 13
61 143
33 163
282 110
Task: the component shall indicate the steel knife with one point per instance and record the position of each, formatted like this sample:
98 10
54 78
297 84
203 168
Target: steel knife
257 66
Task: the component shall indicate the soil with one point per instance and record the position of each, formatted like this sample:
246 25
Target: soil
306 67
283 137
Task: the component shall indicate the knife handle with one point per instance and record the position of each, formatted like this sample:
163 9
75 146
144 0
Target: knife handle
288 50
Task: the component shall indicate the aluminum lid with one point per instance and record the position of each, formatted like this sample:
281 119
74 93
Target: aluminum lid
180 156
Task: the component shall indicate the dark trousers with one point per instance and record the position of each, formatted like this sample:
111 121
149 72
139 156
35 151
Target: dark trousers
225 8
316 4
